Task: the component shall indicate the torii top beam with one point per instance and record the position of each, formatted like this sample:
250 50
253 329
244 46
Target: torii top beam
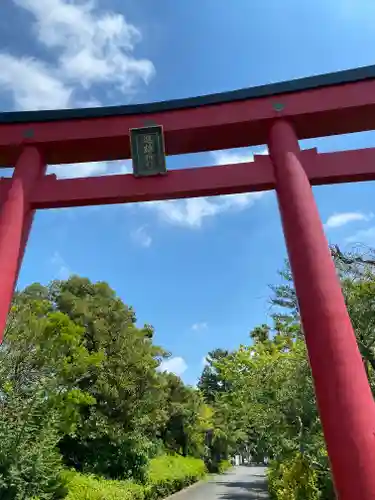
335 103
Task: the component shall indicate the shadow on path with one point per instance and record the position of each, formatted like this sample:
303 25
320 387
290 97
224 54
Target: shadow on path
239 483
249 486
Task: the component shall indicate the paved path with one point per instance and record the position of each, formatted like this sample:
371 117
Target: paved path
240 483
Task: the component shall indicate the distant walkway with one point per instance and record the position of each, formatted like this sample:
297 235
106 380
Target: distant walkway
240 483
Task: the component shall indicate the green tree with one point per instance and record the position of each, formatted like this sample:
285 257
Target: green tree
41 363
126 385
189 418
270 399
272 402
211 382
80 385
356 271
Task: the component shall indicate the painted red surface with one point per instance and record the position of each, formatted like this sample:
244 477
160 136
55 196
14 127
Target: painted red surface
344 397
314 113
324 168
15 222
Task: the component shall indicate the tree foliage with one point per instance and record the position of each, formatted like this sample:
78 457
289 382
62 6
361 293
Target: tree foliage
211 381
80 387
263 392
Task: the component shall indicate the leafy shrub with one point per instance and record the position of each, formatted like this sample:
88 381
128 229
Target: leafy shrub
171 473
293 479
126 458
88 487
30 465
223 466
217 466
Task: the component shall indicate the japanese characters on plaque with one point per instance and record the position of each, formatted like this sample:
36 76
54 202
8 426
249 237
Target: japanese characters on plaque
147 147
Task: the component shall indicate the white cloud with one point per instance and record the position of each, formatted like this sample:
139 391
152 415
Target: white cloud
119 167
176 365
192 212
141 237
365 236
341 219
75 170
87 46
62 269
90 169
32 84
188 213
226 157
199 326
94 47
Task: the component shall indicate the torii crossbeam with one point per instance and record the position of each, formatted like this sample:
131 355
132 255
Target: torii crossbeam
277 115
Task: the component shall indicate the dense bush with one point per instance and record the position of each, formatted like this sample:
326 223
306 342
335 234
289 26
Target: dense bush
30 465
293 479
126 459
87 487
224 465
170 473
217 466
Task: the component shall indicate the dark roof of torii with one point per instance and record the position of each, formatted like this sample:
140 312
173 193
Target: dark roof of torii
297 85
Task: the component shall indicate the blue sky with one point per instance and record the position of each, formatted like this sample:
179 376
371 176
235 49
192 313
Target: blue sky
198 270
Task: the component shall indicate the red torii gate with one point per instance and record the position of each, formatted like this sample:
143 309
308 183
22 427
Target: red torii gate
277 115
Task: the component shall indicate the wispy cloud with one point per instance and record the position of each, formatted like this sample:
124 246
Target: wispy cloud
90 53
199 326
88 48
176 365
365 236
193 211
141 237
32 84
228 156
61 267
89 169
75 170
341 219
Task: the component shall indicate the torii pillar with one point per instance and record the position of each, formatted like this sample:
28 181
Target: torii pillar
345 401
15 222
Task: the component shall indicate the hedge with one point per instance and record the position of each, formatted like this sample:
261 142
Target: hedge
87 487
166 475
